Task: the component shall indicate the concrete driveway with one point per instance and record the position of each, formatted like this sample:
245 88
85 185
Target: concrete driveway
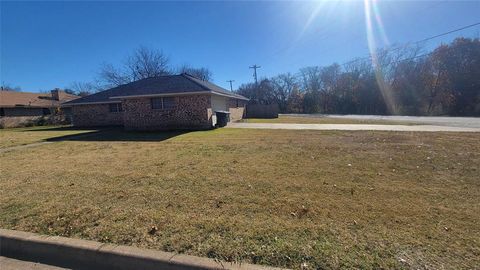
416 128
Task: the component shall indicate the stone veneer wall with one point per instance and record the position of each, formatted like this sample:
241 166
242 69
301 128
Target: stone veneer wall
190 112
236 113
93 115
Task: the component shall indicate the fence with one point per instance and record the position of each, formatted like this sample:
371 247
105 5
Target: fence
262 111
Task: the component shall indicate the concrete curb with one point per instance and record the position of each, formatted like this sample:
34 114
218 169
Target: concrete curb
84 254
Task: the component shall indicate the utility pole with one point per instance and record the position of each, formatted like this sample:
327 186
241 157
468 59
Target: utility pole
255 72
231 87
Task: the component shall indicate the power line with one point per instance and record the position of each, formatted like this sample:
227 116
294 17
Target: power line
449 32
393 49
412 58
254 67
418 56
418 42
328 34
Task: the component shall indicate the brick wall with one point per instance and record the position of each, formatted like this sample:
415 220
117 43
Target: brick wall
236 113
190 112
95 115
23 111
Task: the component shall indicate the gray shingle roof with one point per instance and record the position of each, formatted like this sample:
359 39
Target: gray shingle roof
170 84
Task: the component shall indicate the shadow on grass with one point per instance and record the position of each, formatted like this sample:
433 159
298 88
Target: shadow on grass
45 128
116 134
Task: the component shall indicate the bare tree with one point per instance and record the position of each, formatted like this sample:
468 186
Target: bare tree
261 93
7 87
283 87
143 63
147 63
111 76
329 77
202 73
83 88
311 78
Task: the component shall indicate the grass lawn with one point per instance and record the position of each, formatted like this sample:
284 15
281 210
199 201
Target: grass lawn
276 197
324 120
20 136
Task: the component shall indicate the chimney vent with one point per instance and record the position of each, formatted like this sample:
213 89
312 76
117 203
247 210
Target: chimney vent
58 94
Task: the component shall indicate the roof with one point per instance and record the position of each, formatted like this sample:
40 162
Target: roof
162 85
25 99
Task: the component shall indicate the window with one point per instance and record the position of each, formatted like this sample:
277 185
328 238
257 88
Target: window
115 107
163 103
157 103
168 102
2 112
45 111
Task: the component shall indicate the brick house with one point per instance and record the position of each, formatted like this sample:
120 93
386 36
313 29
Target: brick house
160 103
19 104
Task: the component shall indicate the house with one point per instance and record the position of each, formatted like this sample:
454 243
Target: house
160 103
20 104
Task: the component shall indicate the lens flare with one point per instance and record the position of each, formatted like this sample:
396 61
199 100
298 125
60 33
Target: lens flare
385 89
379 21
313 15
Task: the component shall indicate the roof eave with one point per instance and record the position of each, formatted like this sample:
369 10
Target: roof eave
230 96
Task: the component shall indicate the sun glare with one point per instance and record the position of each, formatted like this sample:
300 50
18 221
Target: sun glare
372 12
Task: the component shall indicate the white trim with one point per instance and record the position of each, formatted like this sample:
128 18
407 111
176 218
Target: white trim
226 95
119 109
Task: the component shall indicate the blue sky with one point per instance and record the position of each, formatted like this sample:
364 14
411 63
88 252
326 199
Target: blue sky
52 44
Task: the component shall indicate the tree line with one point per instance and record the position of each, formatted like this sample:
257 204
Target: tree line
402 80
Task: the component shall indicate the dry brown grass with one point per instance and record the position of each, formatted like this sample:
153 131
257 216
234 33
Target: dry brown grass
277 197
323 120
17 121
20 136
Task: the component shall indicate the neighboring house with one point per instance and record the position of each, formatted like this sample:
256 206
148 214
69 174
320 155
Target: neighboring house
19 104
159 103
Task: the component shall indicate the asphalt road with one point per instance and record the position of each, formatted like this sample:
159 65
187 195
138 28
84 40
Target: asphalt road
468 122
14 264
415 128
